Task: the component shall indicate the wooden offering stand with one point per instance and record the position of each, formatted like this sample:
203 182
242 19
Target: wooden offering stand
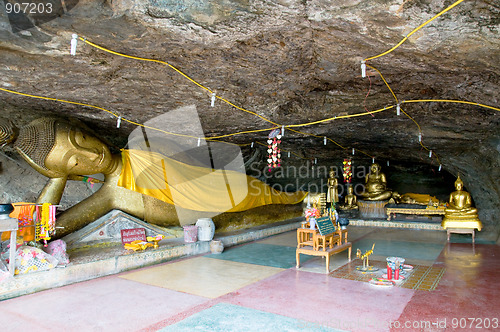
324 241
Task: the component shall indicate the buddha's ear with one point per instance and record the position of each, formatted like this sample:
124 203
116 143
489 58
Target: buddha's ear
45 172
73 161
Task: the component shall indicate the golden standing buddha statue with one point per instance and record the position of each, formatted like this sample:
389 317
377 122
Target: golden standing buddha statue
459 212
332 196
376 185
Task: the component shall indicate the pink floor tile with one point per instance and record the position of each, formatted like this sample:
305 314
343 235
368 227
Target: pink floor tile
105 304
326 301
467 293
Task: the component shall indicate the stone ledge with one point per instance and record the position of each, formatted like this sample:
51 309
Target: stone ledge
83 270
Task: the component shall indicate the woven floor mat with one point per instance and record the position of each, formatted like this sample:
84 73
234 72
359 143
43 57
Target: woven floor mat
420 278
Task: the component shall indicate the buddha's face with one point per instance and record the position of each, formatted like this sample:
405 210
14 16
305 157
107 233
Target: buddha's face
375 168
77 152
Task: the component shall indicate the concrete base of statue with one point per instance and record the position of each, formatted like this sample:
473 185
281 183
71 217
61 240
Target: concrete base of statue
107 230
471 223
372 209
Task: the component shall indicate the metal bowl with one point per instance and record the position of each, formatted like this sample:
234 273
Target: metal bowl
343 221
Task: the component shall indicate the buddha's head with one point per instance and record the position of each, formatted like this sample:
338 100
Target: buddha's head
375 168
56 148
332 173
350 190
459 184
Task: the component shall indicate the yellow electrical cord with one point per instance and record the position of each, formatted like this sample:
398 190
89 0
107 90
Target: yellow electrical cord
253 113
329 139
239 133
338 117
178 71
130 121
387 84
449 101
57 99
163 131
92 106
260 130
411 118
422 100
415 30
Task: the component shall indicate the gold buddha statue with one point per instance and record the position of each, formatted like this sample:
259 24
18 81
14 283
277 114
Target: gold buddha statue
459 212
332 195
62 151
412 198
350 201
376 185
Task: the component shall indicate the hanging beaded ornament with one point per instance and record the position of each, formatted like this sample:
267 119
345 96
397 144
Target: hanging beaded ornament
274 157
347 170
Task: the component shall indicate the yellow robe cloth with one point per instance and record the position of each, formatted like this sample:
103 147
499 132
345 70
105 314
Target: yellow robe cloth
197 188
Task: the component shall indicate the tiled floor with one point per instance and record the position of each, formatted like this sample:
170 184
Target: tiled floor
256 287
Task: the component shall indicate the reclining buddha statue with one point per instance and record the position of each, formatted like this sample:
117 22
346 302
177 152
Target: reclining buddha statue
459 212
135 181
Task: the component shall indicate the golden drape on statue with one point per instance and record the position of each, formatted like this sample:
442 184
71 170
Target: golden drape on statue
197 188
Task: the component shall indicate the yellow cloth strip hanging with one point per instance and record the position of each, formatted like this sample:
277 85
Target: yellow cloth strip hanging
197 188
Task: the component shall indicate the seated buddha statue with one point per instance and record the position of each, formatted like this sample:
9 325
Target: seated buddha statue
63 151
459 212
350 200
376 185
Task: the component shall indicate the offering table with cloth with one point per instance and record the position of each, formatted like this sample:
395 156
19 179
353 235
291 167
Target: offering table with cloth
321 242
416 209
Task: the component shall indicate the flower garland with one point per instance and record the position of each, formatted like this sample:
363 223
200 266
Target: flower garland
46 222
347 170
90 180
274 157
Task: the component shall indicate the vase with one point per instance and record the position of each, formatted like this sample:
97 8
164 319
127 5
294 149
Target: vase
190 233
312 223
206 229
216 247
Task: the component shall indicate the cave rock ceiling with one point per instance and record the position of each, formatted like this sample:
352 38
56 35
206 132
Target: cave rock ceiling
284 62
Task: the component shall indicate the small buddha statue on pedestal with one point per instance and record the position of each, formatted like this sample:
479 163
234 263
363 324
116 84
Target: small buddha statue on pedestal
459 212
351 201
